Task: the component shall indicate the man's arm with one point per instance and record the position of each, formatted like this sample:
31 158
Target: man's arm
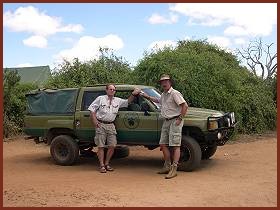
130 98
93 107
184 109
135 92
94 119
154 99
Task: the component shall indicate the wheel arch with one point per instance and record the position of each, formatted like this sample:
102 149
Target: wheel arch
194 132
53 132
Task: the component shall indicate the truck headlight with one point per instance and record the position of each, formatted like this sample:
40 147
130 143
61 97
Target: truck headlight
213 125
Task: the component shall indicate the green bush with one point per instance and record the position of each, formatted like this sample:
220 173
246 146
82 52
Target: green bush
14 102
210 77
207 76
107 69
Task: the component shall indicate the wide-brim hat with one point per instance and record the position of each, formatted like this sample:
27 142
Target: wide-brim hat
164 77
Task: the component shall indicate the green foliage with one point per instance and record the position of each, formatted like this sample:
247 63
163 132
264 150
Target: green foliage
272 85
210 77
108 68
207 76
14 102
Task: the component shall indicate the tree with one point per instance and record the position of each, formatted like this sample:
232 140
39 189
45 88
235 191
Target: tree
107 68
14 102
259 55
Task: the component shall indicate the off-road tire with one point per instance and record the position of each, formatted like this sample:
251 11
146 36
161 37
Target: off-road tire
64 150
190 154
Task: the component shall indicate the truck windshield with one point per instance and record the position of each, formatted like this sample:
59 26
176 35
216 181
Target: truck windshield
154 93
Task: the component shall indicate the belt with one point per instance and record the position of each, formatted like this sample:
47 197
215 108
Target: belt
105 122
167 119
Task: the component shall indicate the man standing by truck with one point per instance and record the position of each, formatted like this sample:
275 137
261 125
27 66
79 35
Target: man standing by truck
173 109
103 111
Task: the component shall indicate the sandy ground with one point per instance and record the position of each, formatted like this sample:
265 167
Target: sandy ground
239 174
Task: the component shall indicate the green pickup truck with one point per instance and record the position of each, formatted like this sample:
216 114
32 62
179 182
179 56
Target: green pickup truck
60 117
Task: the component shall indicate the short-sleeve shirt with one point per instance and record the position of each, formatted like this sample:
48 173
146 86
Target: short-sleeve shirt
105 111
170 103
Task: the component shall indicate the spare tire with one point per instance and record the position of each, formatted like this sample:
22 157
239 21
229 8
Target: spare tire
190 154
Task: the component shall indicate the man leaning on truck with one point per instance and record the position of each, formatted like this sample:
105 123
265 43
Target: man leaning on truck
173 109
103 111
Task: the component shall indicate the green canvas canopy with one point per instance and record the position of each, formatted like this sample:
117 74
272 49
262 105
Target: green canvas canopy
51 101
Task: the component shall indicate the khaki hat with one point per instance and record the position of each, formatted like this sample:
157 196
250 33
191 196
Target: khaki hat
164 77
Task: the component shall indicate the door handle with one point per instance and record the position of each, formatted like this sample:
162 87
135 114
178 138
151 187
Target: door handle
86 115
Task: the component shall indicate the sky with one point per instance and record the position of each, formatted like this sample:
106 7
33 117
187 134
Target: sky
46 33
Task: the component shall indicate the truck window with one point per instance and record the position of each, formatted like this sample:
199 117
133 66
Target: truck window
135 105
89 97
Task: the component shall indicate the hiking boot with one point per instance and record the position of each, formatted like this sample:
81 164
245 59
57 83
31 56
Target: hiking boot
166 168
173 172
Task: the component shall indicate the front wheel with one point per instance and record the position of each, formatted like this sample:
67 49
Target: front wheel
190 154
64 150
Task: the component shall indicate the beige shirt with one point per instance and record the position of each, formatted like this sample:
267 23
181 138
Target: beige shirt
170 103
105 111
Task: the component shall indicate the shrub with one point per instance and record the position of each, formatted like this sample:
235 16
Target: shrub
210 77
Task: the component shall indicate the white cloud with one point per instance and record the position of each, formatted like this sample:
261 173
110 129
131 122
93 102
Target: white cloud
158 19
88 47
36 41
221 41
240 41
254 19
236 31
157 45
30 19
24 65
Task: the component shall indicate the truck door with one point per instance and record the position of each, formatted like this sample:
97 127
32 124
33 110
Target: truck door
134 125
84 127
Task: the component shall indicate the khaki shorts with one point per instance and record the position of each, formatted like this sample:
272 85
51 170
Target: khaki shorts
171 134
105 135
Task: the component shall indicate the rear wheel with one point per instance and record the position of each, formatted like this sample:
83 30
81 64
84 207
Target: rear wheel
64 150
190 154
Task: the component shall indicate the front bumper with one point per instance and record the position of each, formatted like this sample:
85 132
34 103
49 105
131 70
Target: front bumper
224 127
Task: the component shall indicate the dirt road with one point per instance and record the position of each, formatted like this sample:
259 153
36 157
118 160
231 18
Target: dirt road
239 174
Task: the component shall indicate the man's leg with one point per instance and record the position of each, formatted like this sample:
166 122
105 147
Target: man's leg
109 155
164 142
112 142
100 154
173 169
100 138
175 136
176 154
166 152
